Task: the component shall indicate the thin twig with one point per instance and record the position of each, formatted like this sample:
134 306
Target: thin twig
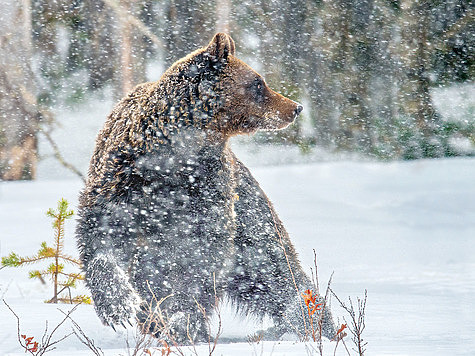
321 316
62 290
59 156
290 267
218 313
156 314
358 323
83 337
17 323
317 284
47 346
46 343
346 347
189 336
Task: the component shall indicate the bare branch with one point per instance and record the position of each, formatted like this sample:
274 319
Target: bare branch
46 343
36 110
357 321
17 324
59 156
218 313
83 337
317 287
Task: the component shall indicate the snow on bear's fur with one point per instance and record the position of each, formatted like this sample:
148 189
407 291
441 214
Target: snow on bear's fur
169 211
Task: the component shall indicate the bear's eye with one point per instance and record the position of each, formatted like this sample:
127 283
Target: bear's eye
257 89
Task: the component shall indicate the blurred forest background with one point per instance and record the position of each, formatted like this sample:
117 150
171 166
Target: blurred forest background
364 69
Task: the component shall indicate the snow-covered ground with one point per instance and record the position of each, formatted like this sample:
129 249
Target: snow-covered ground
404 231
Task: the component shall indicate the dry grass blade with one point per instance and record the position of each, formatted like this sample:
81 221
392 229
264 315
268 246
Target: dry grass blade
81 335
291 273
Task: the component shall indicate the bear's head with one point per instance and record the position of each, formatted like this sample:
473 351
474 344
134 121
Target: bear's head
226 95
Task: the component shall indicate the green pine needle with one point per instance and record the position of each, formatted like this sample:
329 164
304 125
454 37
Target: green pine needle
34 274
46 252
12 260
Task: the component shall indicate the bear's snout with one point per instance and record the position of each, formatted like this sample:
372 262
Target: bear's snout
297 110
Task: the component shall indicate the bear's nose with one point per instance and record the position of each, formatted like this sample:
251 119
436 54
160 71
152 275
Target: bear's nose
298 110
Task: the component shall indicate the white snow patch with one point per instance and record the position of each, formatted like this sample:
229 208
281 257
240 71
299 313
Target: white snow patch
404 231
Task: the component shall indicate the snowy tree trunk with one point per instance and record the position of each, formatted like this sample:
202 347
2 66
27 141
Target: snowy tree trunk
126 60
188 26
223 11
415 102
347 48
102 51
132 45
18 114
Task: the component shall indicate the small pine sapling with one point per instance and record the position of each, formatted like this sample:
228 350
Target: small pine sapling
56 269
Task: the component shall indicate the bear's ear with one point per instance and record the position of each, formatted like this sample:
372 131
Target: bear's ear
221 46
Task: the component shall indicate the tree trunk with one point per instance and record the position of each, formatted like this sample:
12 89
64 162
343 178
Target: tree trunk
126 60
18 114
102 50
223 10
415 102
132 45
188 26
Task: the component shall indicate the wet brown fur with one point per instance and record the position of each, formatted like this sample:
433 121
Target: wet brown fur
146 118
167 202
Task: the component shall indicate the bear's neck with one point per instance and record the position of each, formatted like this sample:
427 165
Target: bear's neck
191 141
173 108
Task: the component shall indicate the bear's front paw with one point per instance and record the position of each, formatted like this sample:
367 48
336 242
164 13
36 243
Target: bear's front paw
115 299
120 308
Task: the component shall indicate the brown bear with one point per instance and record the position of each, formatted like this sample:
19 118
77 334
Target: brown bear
170 218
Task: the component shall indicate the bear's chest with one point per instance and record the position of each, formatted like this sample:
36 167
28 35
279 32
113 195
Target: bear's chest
186 192
186 213
198 176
